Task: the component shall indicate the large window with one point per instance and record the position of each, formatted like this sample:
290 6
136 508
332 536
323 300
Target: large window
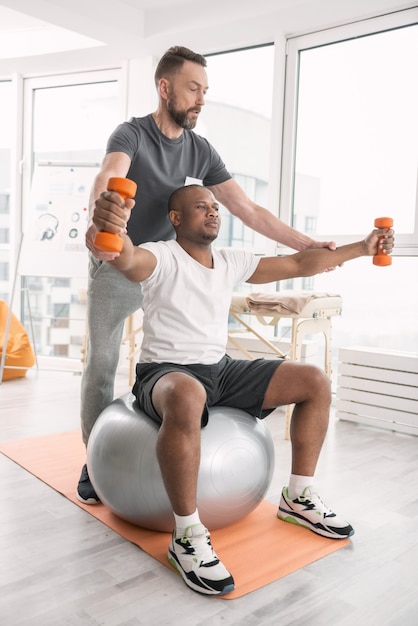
357 134
237 121
67 121
351 155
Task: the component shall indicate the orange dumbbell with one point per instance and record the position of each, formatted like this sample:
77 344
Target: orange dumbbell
381 258
112 242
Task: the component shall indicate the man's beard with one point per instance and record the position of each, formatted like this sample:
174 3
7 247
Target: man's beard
179 117
210 237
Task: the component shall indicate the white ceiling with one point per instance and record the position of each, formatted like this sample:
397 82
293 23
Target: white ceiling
46 35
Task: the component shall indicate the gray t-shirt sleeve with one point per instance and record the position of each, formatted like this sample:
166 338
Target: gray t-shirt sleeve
123 139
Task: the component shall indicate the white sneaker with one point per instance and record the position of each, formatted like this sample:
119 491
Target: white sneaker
309 511
194 558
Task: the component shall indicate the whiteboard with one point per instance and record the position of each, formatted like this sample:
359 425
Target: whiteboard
56 220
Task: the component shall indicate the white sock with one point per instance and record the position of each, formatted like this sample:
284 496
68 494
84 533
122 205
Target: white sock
184 521
297 484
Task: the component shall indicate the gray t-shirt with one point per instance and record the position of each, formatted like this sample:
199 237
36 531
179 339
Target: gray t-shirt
159 166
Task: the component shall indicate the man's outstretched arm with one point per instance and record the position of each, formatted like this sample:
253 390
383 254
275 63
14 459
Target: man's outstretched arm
311 262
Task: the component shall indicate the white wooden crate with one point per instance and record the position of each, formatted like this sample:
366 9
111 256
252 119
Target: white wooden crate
378 388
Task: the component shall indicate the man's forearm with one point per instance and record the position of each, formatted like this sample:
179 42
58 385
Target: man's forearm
315 261
267 224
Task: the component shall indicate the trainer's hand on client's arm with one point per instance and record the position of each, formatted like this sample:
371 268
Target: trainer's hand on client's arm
331 245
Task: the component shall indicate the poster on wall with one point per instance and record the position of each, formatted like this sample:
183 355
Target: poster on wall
56 220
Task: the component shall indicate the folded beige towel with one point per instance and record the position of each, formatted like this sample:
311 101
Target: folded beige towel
283 302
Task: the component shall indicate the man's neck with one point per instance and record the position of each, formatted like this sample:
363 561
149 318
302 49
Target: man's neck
200 253
166 125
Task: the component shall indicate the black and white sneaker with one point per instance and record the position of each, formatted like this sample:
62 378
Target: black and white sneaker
85 490
192 555
309 511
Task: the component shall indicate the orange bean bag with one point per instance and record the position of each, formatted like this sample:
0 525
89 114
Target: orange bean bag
19 352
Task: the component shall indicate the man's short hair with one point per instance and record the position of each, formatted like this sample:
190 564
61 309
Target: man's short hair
177 196
173 60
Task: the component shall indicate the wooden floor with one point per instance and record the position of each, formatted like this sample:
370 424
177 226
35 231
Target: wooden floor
60 566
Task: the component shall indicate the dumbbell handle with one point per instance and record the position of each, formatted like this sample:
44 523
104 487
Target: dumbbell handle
112 242
381 258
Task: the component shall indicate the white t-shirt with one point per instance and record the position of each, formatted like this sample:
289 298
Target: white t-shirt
186 305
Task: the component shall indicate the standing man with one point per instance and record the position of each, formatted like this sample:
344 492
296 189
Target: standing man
160 153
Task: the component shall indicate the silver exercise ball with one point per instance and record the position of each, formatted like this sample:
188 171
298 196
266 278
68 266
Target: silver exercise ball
236 468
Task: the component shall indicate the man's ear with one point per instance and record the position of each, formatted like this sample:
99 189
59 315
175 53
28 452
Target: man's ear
175 217
164 88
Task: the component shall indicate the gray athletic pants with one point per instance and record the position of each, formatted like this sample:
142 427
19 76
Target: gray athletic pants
111 298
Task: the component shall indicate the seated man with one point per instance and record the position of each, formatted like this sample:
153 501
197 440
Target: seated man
183 369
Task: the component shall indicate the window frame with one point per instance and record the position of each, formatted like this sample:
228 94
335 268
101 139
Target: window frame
406 243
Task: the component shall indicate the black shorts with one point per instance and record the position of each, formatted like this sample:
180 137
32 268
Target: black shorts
235 383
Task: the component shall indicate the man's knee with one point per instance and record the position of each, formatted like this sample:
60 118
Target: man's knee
319 382
297 382
178 393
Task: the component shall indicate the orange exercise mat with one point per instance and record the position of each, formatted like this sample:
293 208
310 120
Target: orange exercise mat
273 548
